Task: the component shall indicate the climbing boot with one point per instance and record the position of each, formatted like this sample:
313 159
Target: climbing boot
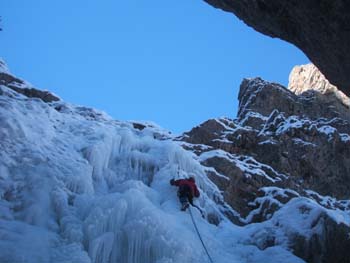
184 206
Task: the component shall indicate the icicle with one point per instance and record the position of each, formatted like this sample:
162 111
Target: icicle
101 247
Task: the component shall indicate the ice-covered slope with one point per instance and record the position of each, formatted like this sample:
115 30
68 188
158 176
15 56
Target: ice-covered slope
78 186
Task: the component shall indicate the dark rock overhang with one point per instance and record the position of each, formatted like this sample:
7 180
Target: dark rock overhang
320 28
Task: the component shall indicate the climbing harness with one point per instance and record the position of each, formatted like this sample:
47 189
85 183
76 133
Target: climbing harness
199 235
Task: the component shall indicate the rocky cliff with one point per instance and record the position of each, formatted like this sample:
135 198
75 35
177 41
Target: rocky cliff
297 146
307 78
320 28
23 87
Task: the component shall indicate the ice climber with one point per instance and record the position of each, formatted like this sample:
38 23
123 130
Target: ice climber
187 190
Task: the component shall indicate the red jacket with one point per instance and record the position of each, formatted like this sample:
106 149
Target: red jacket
190 182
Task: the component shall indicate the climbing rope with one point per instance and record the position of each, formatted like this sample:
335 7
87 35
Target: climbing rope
200 210
199 235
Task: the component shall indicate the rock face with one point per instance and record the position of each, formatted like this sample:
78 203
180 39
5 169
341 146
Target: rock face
307 78
20 86
320 28
263 97
296 135
283 147
316 236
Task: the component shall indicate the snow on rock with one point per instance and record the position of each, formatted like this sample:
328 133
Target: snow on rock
296 217
246 164
253 96
23 87
328 131
302 225
272 200
294 123
345 137
253 119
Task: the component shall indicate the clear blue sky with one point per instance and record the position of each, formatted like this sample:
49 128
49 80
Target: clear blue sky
174 62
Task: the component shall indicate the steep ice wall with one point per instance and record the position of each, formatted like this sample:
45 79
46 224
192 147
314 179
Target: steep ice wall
78 186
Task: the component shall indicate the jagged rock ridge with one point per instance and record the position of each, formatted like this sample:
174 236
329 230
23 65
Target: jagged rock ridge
298 146
320 28
20 86
307 78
